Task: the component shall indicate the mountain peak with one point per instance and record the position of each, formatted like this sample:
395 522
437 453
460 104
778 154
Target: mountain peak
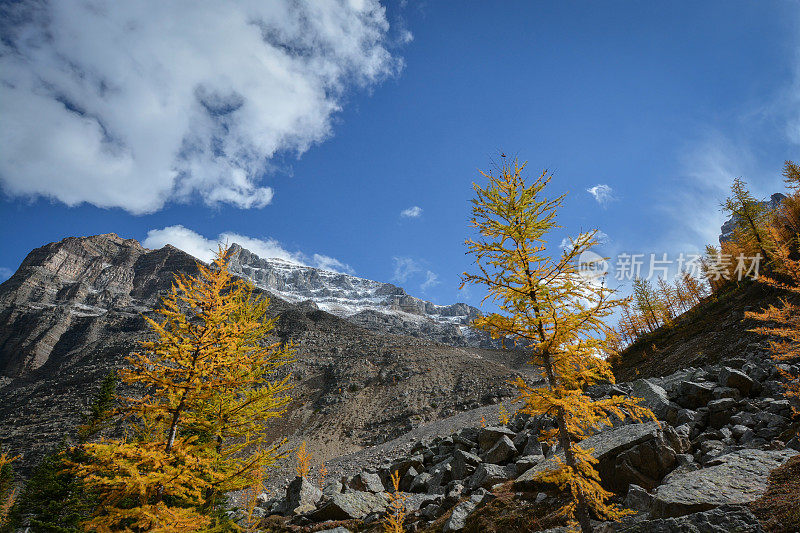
372 304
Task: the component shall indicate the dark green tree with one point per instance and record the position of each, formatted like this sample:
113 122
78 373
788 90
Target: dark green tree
54 500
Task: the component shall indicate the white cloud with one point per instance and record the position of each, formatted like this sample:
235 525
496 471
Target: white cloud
134 104
404 267
411 212
5 273
602 193
431 279
331 263
202 248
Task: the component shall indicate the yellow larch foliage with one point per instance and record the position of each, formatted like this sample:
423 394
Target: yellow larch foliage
783 321
303 460
503 416
396 511
252 520
211 385
556 310
7 491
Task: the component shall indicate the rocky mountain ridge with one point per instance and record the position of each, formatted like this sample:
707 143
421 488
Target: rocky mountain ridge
374 305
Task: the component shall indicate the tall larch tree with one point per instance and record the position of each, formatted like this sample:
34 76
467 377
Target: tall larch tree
210 385
648 303
751 217
547 305
782 322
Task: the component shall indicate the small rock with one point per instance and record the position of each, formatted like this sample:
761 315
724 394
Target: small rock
692 394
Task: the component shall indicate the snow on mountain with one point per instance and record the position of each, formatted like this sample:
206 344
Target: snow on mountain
372 304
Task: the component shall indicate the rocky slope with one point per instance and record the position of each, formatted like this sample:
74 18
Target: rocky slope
377 306
722 429
73 311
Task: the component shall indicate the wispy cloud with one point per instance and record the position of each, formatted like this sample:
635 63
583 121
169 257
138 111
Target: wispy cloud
5 273
135 104
602 193
431 280
411 212
404 267
202 248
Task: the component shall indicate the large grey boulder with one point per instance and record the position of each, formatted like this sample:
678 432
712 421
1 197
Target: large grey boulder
301 496
488 436
653 397
367 482
487 475
637 453
736 379
693 394
501 452
458 518
739 477
464 464
349 505
725 519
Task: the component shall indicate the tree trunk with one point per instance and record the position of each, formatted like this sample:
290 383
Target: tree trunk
581 507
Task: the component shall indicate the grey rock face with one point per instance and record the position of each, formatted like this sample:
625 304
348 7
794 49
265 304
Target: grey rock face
654 397
489 436
502 451
73 312
727 229
301 496
739 477
458 519
725 519
349 505
636 453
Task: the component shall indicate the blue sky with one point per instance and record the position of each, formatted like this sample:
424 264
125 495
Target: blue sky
312 139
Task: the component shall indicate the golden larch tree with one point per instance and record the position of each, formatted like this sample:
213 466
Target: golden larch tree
782 322
210 386
750 216
548 305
